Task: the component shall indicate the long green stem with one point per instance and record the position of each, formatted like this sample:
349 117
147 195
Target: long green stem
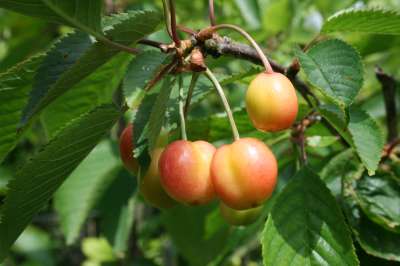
181 112
195 77
264 59
228 110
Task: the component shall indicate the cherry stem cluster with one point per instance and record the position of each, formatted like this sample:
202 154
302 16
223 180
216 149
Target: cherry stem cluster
228 110
264 59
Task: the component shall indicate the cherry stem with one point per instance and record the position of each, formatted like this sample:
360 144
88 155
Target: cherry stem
167 17
228 110
264 59
181 112
211 12
195 77
174 32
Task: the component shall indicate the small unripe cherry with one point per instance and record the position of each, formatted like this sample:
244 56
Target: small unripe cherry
239 217
244 173
271 102
150 185
126 150
185 171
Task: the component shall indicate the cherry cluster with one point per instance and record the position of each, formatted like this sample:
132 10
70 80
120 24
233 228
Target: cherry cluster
242 175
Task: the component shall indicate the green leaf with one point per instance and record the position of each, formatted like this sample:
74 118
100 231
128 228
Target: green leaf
187 227
364 20
36 182
127 29
379 198
157 115
14 90
84 187
306 226
367 138
96 89
335 68
141 70
84 15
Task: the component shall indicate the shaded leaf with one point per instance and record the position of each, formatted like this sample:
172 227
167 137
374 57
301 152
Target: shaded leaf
306 227
36 182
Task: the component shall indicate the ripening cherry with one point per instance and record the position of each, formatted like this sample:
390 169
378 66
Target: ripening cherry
185 171
244 173
150 185
239 217
271 102
126 150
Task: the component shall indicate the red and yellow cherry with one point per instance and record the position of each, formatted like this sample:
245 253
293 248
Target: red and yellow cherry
185 171
150 185
239 217
271 102
126 150
244 173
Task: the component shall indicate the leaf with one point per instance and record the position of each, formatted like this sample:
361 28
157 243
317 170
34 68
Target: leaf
367 138
186 226
379 198
96 89
335 68
141 70
377 21
306 226
14 90
84 15
36 182
59 59
157 115
117 211
127 29
84 187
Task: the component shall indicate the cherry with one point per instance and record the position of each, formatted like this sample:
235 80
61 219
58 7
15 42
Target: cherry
271 102
185 171
150 184
239 217
126 150
244 173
